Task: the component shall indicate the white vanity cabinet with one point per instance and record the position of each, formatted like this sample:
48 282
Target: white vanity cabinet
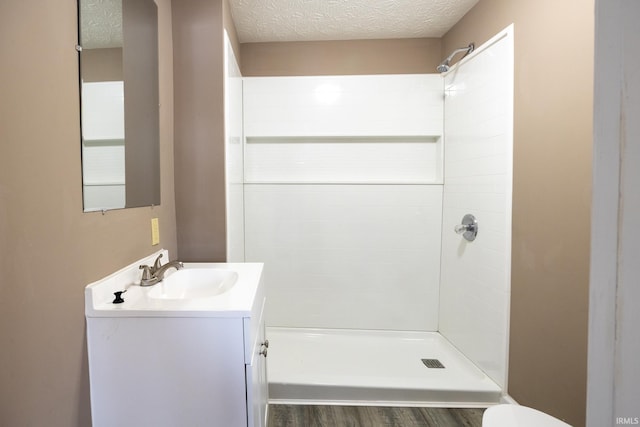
256 373
179 366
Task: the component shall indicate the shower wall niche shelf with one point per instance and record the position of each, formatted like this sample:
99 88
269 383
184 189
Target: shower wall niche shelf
384 129
345 160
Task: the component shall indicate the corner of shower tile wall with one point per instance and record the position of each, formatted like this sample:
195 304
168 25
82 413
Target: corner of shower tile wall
475 276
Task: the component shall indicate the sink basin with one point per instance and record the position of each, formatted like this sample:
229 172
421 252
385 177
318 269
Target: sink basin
194 283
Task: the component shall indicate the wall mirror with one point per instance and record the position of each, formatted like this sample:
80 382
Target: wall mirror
118 46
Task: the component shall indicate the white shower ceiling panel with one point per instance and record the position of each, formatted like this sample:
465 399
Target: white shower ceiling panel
305 20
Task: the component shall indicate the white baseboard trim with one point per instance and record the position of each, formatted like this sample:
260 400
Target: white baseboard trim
393 403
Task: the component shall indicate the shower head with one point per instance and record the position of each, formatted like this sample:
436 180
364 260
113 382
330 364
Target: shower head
444 65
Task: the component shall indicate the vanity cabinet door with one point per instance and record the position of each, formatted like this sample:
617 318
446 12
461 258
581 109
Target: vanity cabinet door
256 376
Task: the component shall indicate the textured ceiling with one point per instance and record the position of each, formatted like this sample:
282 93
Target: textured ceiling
100 23
303 20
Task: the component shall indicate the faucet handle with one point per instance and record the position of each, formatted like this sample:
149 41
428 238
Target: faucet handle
148 277
146 272
156 265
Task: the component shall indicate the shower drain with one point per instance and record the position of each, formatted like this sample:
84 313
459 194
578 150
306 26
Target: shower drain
432 363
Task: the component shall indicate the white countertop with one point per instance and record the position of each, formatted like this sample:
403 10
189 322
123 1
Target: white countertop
236 302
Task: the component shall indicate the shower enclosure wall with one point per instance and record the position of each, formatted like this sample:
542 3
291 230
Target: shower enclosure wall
352 187
343 198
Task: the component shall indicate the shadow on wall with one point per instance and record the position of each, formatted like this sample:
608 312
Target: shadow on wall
84 400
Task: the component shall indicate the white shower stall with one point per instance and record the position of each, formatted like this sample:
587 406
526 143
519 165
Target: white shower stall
348 188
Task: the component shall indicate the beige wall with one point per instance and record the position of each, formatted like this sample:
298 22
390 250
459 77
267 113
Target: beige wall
394 56
199 129
100 65
552 194
141 117
49 248
198 33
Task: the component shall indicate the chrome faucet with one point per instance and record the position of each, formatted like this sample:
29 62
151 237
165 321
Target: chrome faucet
154 274
172 264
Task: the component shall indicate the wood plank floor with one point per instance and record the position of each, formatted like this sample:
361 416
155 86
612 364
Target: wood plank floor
371 416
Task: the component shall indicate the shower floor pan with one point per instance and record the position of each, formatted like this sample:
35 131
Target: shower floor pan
381 368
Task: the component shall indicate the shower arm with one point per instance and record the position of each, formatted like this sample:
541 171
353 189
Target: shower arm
467 49
444 65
